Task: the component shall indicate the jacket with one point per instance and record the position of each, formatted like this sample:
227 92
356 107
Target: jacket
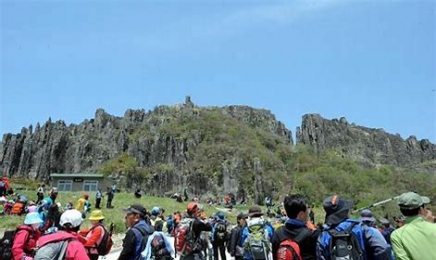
75 248
291 229
135 240
24 242
371 241
232 247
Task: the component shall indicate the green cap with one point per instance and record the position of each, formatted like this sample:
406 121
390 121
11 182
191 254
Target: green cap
412 200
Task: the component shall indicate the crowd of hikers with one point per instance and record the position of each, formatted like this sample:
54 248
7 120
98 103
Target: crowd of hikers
288 234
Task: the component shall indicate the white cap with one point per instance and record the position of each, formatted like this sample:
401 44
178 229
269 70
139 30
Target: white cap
72 216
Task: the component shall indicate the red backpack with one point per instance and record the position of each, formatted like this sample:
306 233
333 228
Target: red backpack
183 239
289 249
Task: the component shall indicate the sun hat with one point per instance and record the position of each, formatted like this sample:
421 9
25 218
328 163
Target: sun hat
96 215
32 218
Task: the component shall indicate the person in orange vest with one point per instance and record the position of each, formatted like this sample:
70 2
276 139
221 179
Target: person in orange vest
94 235
18 208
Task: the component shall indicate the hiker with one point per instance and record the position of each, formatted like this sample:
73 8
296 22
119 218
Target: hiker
219 236
158 247
3 201
2 187
156 219
350 237
40 193
399 221
83 205
312 214
137 235
386 230
295 230
138 193
94 236
188 231
367 218
31 207
70 224
233 247
256 235
18 208
23 247
51 219
416 239
110 196
98 197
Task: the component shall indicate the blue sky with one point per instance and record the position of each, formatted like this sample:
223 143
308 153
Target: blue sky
373 62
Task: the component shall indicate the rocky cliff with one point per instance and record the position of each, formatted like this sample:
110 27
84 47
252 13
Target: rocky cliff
179 146
214 150
371 147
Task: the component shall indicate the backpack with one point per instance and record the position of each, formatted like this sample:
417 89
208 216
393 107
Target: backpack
141 235
56 250
159 248
6 244
344 245
289 249
158 224
257 242
106 243
184 240
220 231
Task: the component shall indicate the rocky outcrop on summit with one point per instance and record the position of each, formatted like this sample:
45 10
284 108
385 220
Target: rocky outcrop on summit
370 146
174 147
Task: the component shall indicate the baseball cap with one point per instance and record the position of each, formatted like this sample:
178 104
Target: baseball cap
366 215
412 200
136 209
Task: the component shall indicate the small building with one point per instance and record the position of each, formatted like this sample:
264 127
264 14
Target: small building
79 181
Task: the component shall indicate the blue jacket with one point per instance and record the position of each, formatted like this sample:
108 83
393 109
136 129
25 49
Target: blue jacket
371 241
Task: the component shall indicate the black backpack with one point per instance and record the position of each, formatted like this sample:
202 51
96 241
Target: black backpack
220 231
344 245
6 244
7 241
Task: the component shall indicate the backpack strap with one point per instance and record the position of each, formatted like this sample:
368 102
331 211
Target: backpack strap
140 232
63 251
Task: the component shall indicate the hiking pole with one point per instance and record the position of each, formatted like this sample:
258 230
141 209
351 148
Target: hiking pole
376 204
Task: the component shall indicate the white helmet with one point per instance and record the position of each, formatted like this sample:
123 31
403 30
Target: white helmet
72 216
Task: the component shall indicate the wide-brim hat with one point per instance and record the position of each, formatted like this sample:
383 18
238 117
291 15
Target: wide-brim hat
255 211
96 215
32 218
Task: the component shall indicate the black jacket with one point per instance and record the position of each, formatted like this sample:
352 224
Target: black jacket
235 236
289 231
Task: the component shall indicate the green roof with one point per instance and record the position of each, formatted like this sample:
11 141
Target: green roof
77 175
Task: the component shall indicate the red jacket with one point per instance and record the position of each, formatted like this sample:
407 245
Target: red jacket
24 242
75 248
